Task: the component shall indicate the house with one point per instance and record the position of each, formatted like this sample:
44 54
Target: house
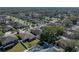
7 42
77 22
10 33
6 28
69 34
57 23
27 36
36 31
68 45
18 25
75 27
2 19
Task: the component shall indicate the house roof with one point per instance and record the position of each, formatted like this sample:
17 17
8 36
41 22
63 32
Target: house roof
55 24
2 17
36 31
27 35
75 27
8 39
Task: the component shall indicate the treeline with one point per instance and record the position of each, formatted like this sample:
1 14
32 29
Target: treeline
43 10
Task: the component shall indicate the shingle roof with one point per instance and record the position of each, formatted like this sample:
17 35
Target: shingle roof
27 35
8 39
36 31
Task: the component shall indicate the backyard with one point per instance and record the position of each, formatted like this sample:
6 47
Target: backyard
20 48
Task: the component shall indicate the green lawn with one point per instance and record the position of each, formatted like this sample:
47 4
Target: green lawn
32 43
20 48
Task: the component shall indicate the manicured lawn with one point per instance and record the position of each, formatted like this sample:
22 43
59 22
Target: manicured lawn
20 48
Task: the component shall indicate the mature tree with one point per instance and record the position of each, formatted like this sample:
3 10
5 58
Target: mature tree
73 19
50 33
67 23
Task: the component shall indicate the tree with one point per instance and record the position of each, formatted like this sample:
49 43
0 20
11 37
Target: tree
50 33
67 23
73 19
